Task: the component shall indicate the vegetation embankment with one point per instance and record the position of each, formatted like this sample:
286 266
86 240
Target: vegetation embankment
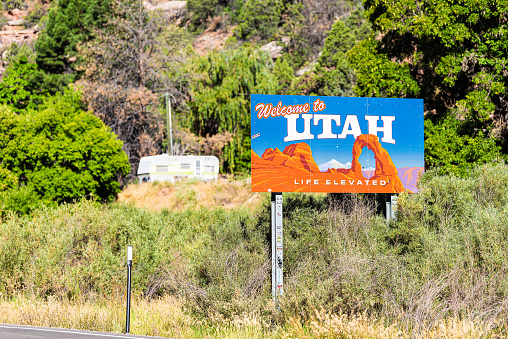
439 270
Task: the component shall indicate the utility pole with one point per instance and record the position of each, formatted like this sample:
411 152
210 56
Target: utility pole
169 131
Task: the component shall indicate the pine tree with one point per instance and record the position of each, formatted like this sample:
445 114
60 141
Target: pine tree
69 23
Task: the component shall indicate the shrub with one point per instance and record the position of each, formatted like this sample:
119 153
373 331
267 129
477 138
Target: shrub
62 152
450 146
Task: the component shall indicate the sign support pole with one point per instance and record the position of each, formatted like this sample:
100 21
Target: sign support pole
388 208
391 207
277 247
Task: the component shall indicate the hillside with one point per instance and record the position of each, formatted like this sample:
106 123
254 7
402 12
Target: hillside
131 62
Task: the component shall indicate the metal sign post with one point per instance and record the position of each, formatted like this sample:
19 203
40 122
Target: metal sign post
277 247
391 207
129 270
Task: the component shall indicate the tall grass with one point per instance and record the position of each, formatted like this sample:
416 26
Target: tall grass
441 267
166 317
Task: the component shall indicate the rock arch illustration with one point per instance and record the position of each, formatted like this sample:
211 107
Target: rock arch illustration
385 168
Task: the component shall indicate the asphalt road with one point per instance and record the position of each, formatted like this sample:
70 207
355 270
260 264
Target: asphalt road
8 331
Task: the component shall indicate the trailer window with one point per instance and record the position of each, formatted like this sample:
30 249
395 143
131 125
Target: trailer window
162 168
144 167
184 166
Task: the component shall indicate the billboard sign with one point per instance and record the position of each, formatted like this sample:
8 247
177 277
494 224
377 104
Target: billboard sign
336 144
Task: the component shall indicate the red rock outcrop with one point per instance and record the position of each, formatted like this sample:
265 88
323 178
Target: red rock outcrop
302 154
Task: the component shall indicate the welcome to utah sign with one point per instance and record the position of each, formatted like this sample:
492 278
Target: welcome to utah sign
336 144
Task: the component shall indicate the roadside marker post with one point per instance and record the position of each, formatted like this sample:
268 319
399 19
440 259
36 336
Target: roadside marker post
277 247
129 271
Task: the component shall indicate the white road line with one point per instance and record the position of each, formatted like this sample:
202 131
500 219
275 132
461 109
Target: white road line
74 332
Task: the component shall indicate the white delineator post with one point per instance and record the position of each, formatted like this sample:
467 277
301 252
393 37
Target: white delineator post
129 270
277 246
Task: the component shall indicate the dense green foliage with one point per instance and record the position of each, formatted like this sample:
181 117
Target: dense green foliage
444 256
456 51
452 54
14 89
333 76
61 152
259 18
20 87
450 147
221 98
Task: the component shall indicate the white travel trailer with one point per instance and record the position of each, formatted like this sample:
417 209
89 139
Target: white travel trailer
170 168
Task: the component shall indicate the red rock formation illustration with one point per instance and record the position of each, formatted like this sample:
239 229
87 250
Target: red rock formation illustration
303 154
294 170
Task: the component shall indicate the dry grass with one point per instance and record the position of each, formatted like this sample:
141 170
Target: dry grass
165 317
161 317
325 325
190 194
53 313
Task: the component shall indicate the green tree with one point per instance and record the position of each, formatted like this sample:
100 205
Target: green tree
332 75
201 11
19 87
14 86
340 40
69 23
259 18
284 74
8 121
61 152
24 85
220 98
335 76
378 76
